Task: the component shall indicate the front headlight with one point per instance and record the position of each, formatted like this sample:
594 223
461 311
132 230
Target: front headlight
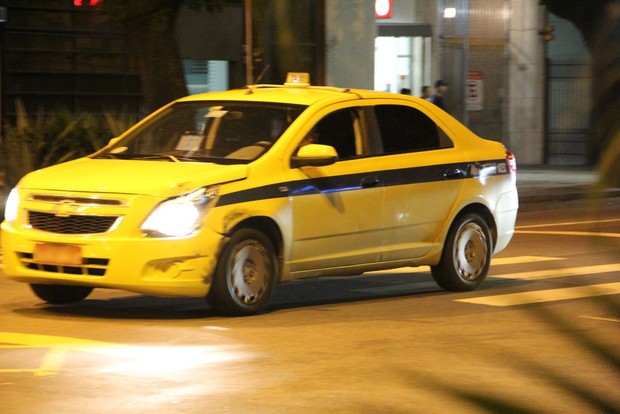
12 205
180 216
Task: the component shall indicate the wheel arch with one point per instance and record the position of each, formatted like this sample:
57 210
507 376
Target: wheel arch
268 227
484 212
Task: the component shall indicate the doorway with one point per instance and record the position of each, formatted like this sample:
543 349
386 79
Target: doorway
402 63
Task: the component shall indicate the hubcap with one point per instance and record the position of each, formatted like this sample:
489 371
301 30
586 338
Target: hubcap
249 272
471 251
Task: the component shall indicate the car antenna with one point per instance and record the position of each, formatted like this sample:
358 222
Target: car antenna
262 74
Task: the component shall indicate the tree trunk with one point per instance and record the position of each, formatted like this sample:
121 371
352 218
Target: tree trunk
151 39
599 23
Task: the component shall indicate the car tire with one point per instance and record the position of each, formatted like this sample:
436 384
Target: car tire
466 255
245 274
60 294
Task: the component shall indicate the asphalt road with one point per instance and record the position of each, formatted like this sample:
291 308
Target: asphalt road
542 334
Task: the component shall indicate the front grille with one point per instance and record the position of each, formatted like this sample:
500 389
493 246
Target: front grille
90 266
91 201
72 224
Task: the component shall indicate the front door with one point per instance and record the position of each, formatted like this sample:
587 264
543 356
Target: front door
337 208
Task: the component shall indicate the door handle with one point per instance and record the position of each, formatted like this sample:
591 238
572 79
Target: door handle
454 173
370 181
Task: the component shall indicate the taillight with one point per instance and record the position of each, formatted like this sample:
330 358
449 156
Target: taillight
511 161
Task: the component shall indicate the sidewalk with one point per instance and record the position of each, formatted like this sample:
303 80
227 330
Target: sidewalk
544 183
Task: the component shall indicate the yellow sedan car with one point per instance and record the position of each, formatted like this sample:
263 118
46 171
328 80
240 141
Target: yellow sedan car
224 195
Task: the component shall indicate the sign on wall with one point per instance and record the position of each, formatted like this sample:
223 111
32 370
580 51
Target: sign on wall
475 90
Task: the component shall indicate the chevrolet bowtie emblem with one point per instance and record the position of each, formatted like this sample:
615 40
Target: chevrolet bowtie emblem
65 208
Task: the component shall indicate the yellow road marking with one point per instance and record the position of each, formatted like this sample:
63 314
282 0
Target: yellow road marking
569 271
58 346
52 362
570 233
130 359
48 341
524 298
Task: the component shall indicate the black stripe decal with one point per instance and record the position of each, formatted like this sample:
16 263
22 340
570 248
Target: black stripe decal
349 182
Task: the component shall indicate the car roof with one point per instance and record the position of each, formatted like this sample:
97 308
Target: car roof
298 95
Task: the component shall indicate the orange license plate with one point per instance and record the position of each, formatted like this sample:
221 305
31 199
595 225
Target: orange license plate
57 254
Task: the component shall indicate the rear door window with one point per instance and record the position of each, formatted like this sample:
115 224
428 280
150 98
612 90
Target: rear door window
406 129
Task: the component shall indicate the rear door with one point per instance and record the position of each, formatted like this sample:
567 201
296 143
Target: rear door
421 172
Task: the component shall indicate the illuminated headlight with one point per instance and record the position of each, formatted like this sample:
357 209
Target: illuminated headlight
179 216
12 205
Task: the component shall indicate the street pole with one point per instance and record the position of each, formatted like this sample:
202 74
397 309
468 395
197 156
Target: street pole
3 19
465 7
249 70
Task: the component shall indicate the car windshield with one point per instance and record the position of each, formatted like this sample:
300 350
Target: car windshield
218 132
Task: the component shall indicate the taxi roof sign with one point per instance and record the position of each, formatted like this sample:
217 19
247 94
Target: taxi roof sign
297 79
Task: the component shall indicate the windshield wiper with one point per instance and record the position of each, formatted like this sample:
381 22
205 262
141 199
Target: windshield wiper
122 156
168 157
172 158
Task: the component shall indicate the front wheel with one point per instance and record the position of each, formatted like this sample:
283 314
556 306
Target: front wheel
245 274
60 294
466 255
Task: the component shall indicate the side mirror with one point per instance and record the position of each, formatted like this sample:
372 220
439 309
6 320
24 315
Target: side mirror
314 155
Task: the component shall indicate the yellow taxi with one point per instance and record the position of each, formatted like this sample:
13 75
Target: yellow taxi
224 195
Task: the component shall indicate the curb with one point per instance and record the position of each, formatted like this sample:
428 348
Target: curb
544 193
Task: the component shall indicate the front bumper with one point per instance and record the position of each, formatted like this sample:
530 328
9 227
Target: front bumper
170 267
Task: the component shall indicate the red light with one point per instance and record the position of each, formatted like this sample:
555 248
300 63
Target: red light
86 3
383 9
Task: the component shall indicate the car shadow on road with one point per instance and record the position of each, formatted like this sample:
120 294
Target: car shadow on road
136 307
293 295
368 287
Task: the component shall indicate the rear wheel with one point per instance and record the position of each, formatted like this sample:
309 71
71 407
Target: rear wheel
61 294
245 274
466 255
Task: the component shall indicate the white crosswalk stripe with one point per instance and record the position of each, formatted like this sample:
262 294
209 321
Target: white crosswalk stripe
569 271
548 295
494 262
522 259
513 299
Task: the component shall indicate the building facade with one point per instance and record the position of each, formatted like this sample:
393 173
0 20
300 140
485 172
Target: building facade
508 79
55 55
505 81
